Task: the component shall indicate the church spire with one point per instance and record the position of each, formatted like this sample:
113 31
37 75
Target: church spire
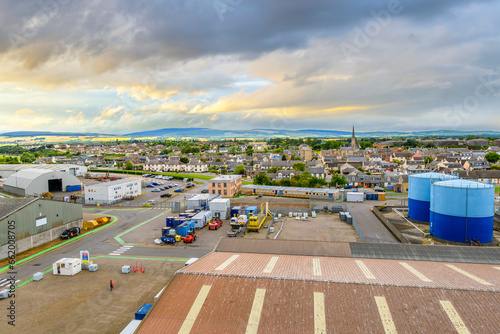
353 140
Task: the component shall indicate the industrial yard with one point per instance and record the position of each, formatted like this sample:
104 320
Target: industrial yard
84 302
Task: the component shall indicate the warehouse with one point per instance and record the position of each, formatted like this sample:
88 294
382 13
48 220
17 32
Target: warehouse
282 286
35 181
295 192
112 192
35 221
9 169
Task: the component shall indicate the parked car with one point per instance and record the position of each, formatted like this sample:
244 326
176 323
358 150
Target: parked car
156 190
165 195
379 189
204 191
179 190
150 202
70 233
150 186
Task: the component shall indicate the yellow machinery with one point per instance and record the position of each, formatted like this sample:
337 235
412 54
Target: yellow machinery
255 222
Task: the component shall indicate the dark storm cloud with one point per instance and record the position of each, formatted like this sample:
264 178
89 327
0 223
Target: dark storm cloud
123 32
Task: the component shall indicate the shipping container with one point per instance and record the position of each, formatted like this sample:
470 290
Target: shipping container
354 197
252 210
141 313
381 196
235 211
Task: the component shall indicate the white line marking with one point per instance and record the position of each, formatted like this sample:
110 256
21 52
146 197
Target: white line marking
195 310
455 318
270 265
316 267
463 272
254 319
114 254
497 268
385 315
319 313
365 269
415 272
227 262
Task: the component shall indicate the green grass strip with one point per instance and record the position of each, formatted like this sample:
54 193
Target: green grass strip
59 245
117 238
3 194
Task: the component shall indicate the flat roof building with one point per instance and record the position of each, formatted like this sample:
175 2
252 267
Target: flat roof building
7 170
225 185
112 192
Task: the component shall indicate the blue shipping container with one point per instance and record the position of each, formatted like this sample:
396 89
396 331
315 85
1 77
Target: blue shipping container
141 313
251 209
74 188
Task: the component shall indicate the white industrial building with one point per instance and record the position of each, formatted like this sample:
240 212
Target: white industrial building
220 207
7 170
35 181
111 192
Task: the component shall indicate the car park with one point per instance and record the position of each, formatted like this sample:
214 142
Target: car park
70 233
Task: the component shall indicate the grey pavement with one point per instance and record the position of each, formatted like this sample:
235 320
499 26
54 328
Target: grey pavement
369 225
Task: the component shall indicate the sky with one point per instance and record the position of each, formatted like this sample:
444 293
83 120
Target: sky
124 66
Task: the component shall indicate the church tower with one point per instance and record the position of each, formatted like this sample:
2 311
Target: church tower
353 140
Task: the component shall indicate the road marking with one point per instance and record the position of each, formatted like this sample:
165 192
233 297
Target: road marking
116 254
254 319
415 272
316 267
270 265
455 318
195 309
227 262
7 282
121 250
463 272
385 315
365 269
319 313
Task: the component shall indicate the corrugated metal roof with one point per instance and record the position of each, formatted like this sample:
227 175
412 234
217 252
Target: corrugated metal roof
459 254
211 304
290 247
10 205
349 270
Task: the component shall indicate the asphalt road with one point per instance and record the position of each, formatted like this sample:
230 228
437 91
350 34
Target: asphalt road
370 226
103 242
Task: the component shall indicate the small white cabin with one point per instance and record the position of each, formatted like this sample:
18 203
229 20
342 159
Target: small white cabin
67 267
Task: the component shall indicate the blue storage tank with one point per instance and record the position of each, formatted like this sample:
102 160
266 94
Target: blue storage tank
419 194
462 210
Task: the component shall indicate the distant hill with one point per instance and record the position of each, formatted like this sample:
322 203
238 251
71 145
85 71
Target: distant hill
208 133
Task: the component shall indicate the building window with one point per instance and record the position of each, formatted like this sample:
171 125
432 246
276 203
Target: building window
225 192
219 192
213 191
218 185
213 184
225 185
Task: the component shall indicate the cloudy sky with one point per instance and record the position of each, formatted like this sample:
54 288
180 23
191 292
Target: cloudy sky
122 66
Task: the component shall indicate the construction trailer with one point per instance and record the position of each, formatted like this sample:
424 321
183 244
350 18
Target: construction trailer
202 218
67 267
220 207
